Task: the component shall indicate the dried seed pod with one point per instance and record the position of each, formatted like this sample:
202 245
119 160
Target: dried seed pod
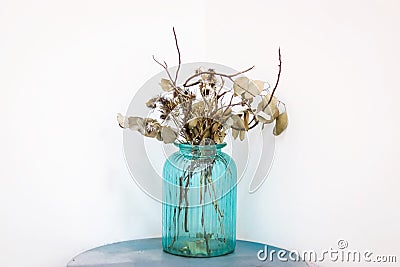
281 123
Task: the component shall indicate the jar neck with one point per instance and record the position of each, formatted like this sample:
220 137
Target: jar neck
200 151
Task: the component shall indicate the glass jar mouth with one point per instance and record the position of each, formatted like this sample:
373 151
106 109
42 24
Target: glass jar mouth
199 151
190 146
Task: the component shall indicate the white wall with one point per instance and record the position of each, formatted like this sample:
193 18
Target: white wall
66 68
336 173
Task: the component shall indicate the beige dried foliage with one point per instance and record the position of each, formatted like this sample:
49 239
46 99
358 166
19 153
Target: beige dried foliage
123 123
168 135
203 108
238 123
242 135
235 134
272 109
166 85
281 123
247 88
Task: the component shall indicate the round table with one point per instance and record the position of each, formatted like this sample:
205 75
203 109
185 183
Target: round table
148 252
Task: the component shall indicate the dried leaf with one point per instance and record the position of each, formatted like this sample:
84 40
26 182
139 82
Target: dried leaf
281 123
193 123
166 85
241 85
227 112
264 118
151 103
271 109
122 121
247 88
259 84
158 136
168 135
246 120
235 133
252 90
219 137
238 123
242 135
137 124
215 127
228 123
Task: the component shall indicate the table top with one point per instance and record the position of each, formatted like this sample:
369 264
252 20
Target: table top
148 252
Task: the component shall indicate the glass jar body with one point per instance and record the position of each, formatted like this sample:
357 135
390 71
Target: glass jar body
199 202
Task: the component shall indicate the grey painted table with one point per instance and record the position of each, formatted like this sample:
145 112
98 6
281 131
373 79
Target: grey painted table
148 252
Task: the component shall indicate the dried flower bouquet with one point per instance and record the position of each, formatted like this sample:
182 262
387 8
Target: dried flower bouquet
202 110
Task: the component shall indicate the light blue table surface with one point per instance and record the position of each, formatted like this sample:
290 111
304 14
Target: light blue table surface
148 252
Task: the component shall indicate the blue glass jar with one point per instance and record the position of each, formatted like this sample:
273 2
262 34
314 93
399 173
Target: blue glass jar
199 202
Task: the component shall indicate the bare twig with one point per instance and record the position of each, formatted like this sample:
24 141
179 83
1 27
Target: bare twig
179 56
165 66
215 73
277 81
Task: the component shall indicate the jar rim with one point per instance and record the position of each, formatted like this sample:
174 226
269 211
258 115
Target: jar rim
187 145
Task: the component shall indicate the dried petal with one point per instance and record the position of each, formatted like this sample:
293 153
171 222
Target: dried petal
281 123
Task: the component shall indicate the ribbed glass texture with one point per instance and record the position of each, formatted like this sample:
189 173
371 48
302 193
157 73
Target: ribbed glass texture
199 202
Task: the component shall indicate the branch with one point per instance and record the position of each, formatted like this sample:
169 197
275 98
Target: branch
277 81
215 73
179 55
165 66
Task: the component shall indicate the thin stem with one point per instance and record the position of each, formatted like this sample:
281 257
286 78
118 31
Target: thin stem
277 81
179 56
165 66
215 73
